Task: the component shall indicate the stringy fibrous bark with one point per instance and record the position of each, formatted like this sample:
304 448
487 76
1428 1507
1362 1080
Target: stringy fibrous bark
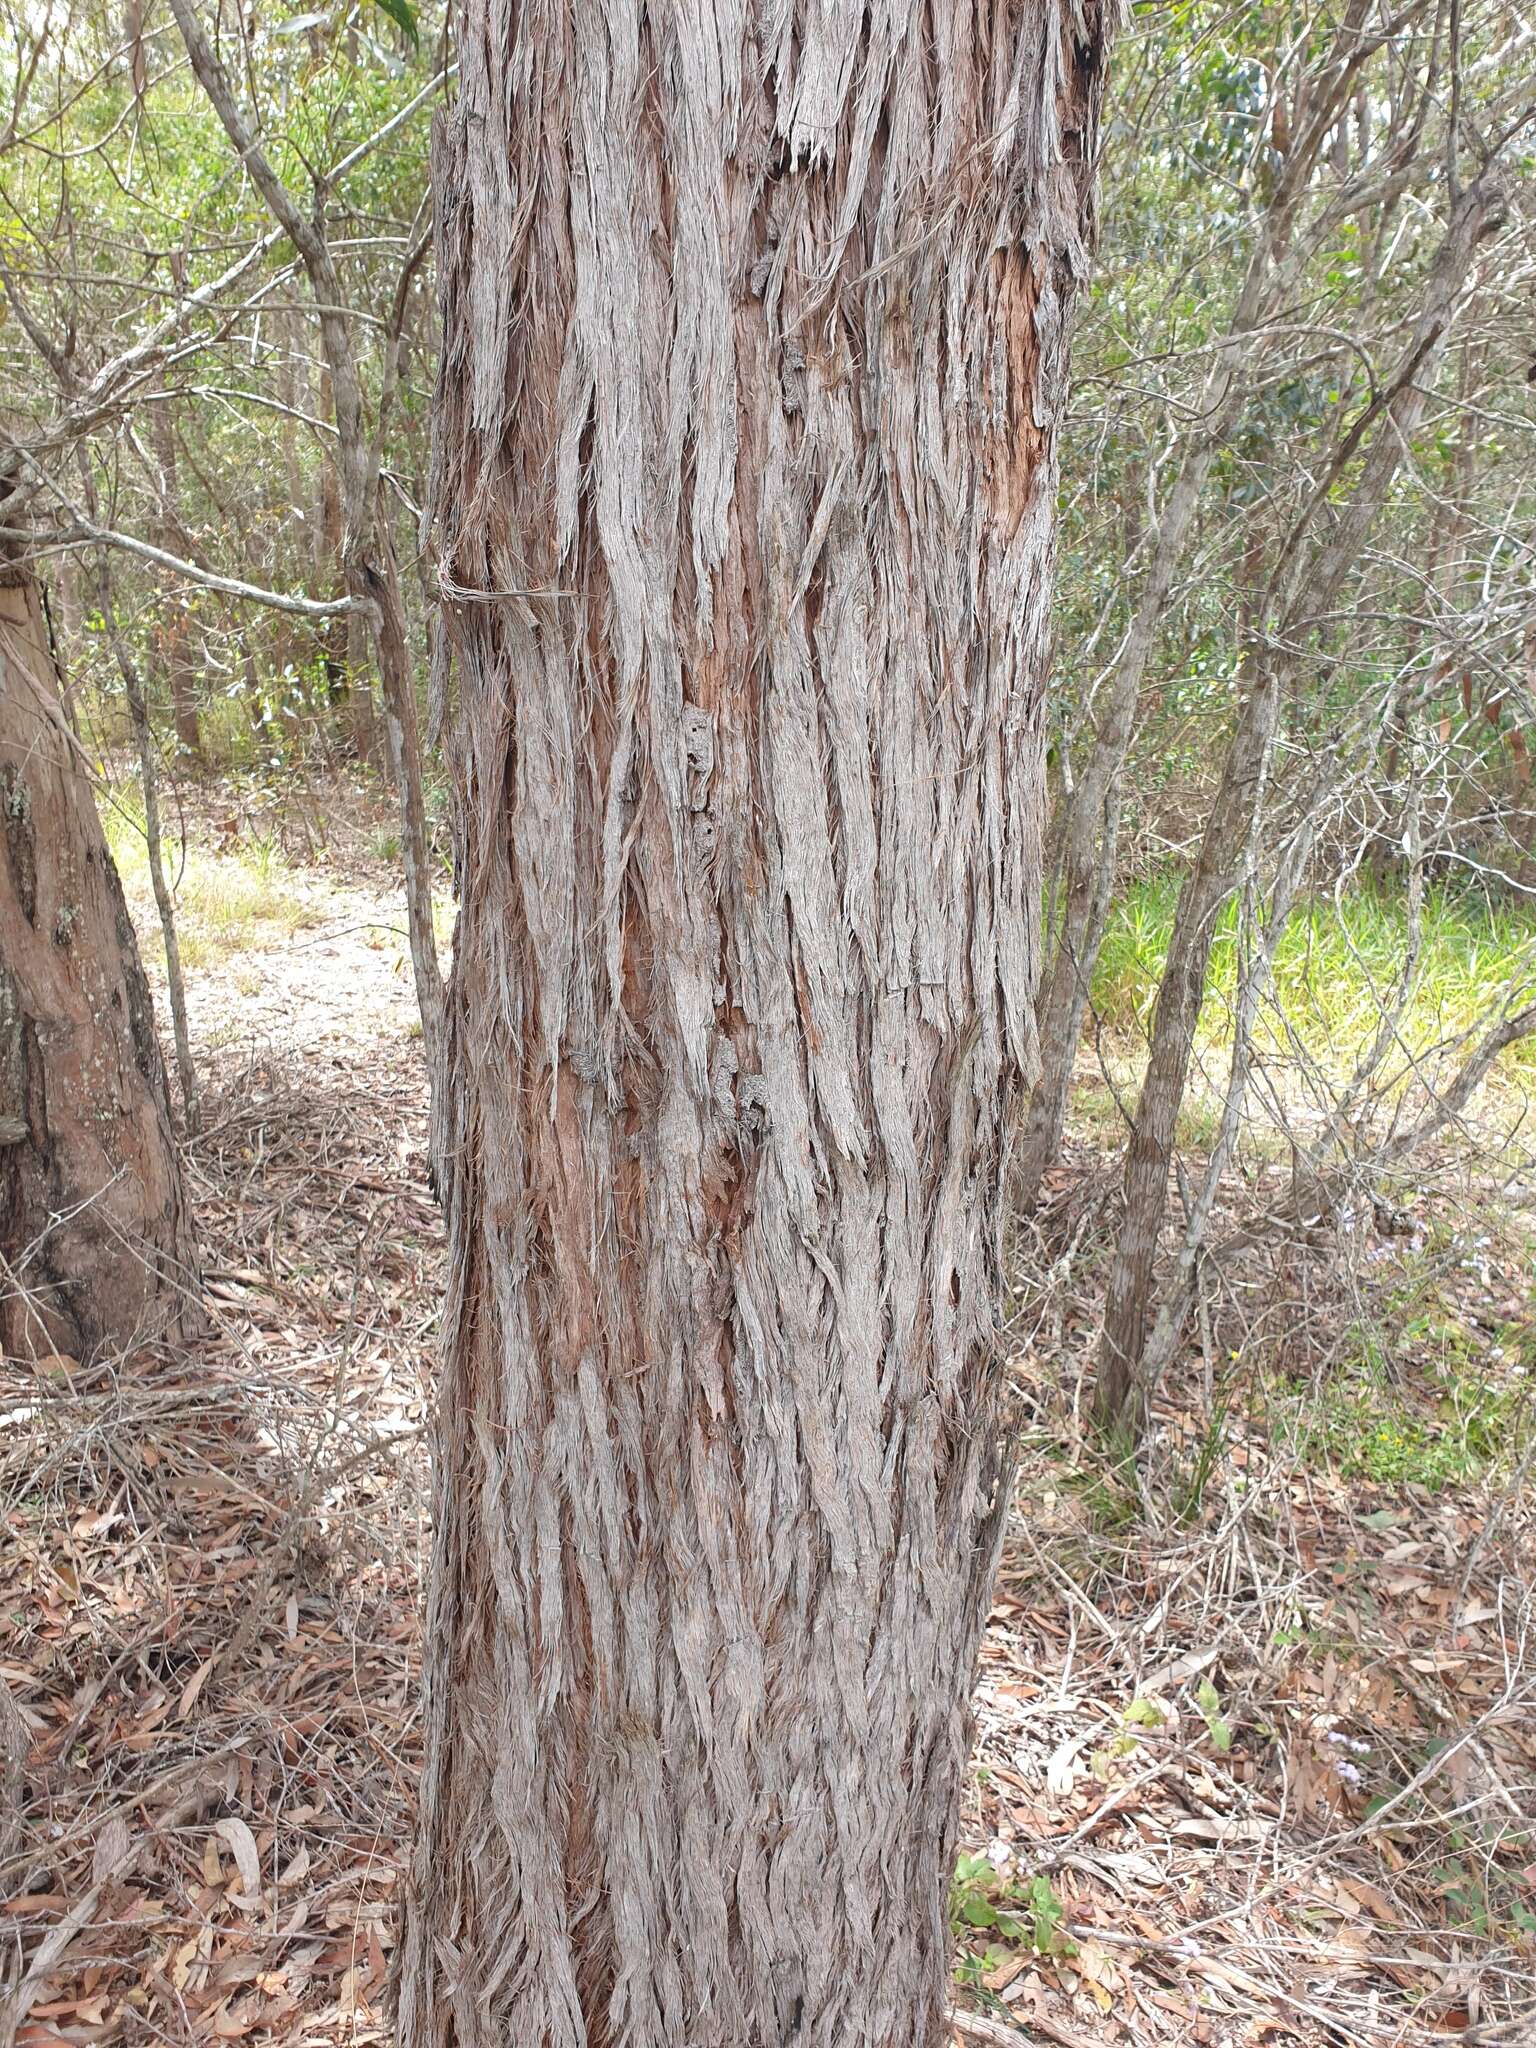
754 349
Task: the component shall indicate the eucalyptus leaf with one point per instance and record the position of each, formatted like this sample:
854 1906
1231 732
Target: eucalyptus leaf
404 16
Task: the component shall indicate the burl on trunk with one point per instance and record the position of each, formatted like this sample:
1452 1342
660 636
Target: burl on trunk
753 331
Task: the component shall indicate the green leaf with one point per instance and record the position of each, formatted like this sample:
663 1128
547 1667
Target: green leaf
1048 1912
403 15
1209 1700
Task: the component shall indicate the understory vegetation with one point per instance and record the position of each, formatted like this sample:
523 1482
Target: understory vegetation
1340 954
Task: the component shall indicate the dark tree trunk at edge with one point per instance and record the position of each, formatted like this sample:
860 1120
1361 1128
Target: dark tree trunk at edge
94 1230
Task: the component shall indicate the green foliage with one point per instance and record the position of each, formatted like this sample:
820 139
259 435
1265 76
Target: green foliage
404 17
1197 135
122 197
1191 1486
1025 1912
1219 1728
1485 1883
1140 1714
1437 1418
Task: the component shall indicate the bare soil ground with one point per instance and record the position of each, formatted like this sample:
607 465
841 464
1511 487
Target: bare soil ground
1256 1734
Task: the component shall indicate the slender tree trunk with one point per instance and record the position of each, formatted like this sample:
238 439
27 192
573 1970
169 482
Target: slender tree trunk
1260 932
95 1239
149 776
1090 830
361 712
368 564
343 638
403 751
1302 584
180 673
753 358
173 637
1150 1148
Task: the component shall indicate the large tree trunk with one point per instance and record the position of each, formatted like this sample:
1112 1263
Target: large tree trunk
95 1240
753 356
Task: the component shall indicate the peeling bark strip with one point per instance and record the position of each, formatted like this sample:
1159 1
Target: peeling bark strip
745 481
95 1238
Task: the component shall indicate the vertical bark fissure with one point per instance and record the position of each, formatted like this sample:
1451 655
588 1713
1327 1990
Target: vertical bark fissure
753 350
149 777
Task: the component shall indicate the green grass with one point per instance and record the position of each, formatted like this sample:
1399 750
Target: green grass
1419 1405
1335 965
229 739
236 900
1363 1429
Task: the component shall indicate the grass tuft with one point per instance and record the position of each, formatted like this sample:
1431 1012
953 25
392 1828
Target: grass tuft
235 900
1337 963
1422 1404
